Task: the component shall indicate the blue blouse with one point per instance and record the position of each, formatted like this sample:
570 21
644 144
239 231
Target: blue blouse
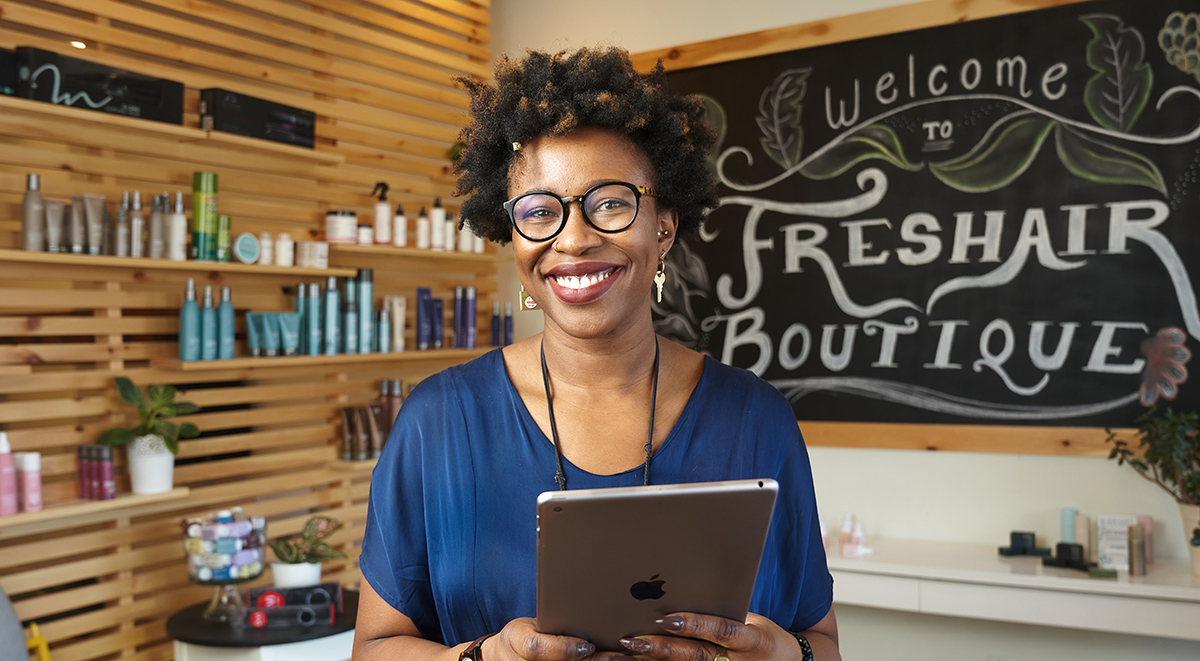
451 540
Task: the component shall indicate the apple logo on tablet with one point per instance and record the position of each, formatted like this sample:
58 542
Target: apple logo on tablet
651 589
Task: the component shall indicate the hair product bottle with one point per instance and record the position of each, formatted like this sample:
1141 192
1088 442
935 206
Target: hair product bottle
395 400
437 222
224 236
383 215
33 215
424 319
459 328
77 236
285 250
469 323
108 485
384 331
400 227
332 332
350 318
29 481
225 325
301 303
121 230
83 467
208 327
8 478
465 237
423 231
508 323
366 310
438 306
312 321
496 323
156 242
204 216
177 231
54 224
189 324
137 227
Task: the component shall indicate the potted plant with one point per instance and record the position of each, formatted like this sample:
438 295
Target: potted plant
1171 459
153 444
298 559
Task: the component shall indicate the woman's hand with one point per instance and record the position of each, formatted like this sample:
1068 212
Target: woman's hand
693 637
520 640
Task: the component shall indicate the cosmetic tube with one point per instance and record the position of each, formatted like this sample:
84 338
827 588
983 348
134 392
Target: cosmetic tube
177 231
384 331
350 318
54 224
289 332
397 309
508 323
424 319
29 481
361 442
496 323
271 330
108 485
208 327
33 215
395 401
423 230
156 245
400 227
1137 551
332 333
347 436
366 310
204 216
437 318
437 226
225 325
78 236
469 322
189 324
312 321
301 302
255 330
93 206
8 478
137 227
121 229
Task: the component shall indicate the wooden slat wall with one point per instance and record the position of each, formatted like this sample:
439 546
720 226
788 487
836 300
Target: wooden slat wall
377 73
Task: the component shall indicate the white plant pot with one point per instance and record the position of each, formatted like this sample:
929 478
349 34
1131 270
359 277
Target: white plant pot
296 575
1191 519
151 465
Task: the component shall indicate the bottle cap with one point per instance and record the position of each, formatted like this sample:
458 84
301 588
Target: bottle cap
30 461
178 201
137 200
383 317
366 275
396 387
226 295
399 209
103 453
422 211
381 188
331 282
314 290
496 308
190 292
458 292
33 182
508 308
385 387
470 293
4 446
437 203
208 299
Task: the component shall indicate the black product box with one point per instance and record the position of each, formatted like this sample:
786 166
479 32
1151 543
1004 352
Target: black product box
69 81
8 73
289 617
222 110
324 593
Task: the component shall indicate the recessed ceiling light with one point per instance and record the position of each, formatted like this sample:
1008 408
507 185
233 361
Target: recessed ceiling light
78 44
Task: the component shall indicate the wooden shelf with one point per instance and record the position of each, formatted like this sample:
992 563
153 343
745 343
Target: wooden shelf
162 129
166 264
458 355
416 253
351 466
83 508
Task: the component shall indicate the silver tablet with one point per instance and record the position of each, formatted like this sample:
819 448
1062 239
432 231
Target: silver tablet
612 561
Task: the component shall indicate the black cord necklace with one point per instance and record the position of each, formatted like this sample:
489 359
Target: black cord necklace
559 476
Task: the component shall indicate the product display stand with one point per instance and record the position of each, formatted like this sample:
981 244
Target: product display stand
226 605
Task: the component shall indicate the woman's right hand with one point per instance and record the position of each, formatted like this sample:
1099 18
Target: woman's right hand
519 640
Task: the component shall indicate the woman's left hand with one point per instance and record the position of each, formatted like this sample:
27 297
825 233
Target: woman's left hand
693 637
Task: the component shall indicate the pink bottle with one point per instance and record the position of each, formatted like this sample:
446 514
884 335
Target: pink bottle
8 478
108 486
29 481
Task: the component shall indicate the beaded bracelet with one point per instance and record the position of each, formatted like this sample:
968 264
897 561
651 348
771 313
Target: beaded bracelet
805 648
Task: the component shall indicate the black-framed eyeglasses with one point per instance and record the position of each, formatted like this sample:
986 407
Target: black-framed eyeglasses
609 207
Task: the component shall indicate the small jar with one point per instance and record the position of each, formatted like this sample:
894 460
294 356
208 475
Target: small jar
285 250
366 235
341 227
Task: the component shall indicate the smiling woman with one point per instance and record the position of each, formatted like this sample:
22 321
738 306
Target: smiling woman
591 170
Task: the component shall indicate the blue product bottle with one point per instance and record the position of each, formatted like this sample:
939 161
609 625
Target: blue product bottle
496 324
301 300
459 328
366 310
189 325
225 329
350 318
208 327
439 318
508 324
312 321
384 330
424 319
333 328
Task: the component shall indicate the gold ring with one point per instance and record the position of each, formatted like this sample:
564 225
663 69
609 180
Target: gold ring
721 654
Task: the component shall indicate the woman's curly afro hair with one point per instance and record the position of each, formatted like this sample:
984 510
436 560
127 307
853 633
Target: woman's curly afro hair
552 94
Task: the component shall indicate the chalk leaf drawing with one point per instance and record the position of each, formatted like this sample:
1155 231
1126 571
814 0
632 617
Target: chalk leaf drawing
1005 151
1103 163
779 113
715 119
1166 357
1180 41
1120 89
876 141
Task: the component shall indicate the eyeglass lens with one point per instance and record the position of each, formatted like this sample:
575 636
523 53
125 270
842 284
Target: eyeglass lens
611 207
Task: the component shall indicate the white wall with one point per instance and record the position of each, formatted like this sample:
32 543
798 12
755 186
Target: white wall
964 497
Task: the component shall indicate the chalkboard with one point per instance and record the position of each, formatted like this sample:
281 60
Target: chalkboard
995 222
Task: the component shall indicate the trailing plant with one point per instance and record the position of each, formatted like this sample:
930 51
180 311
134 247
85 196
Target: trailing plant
1170 455
310 544
153 409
